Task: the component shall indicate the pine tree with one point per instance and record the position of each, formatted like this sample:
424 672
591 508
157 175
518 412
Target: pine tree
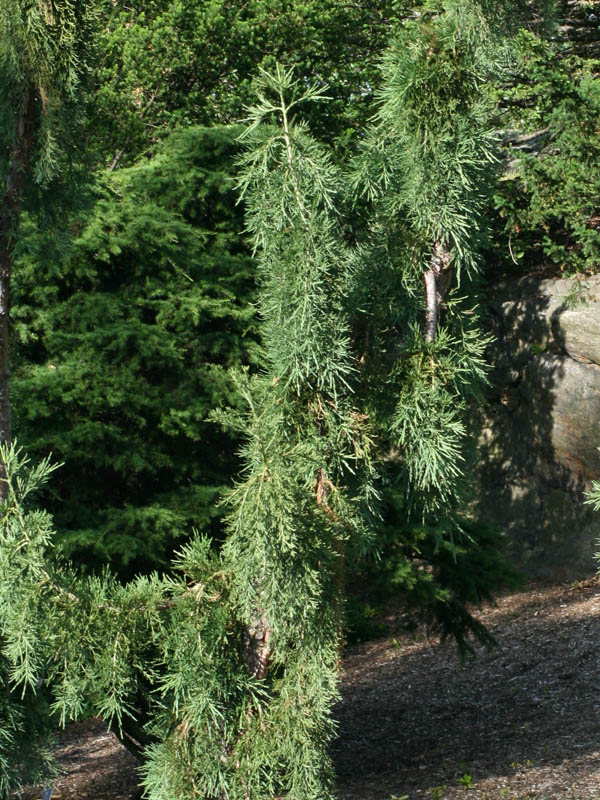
370 359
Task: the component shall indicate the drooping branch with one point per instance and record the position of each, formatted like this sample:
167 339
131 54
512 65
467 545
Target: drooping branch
21 153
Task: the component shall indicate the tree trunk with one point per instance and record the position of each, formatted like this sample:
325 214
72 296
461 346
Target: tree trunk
436 279
11 205
257 648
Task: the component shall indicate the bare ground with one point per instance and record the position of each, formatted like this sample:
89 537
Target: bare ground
521 722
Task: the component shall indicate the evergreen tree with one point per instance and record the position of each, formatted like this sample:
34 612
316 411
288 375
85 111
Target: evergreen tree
117 356
370 358
172 64
122 342
44 49
547 205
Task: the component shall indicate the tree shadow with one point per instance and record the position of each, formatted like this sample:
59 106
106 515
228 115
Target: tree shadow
539 432
93 764
418 720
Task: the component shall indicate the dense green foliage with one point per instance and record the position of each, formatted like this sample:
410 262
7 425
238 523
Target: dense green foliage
176 63
548 210
47 46
165 67
45 49
122 342
128 307
428 166
134 319
351 428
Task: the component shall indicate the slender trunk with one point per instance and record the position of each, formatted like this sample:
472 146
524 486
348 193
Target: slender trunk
10 211
257 649
257 635
436 282
257 657
324 487
431 306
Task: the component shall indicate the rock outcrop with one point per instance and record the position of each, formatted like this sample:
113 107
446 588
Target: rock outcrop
540 431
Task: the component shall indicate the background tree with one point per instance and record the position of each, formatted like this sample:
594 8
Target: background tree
121 392
123 338
173 63
546 208
44 50
169 65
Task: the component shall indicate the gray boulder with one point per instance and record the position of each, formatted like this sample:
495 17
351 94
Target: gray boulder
539 434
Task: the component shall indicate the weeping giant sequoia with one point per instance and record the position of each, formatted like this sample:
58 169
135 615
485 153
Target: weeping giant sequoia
223 675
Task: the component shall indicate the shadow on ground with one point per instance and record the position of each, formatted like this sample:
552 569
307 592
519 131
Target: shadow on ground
521 721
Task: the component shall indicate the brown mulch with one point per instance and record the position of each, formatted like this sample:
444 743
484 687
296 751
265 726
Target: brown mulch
521 722
95 765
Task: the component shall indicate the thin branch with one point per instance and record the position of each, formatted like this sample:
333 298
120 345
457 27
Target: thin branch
290 157
431 310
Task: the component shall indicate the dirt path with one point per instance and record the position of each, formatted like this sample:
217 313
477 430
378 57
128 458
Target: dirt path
519 723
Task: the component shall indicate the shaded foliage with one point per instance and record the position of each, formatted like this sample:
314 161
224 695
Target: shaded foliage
547 206
121 348
174 64
224 669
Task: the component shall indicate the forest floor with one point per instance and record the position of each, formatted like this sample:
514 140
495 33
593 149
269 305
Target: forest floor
520 722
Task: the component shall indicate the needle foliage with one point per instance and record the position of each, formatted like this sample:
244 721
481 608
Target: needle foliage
223 674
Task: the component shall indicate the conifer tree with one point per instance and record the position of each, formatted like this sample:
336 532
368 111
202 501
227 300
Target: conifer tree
123 337
369 361
44 48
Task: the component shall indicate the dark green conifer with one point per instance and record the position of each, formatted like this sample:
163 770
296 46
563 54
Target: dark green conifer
123 340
